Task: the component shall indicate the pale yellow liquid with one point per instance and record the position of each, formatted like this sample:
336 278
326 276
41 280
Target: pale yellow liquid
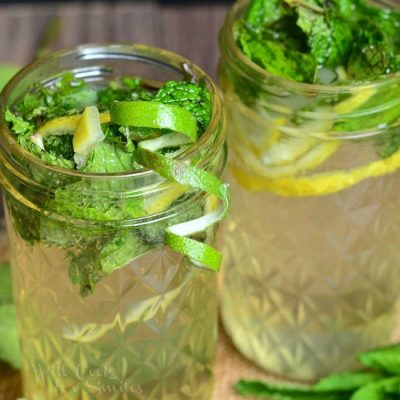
310 282
148 332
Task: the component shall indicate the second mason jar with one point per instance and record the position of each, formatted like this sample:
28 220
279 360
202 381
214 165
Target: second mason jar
312 257
148 330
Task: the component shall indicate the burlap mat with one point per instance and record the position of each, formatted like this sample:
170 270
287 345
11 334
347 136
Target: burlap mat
230 367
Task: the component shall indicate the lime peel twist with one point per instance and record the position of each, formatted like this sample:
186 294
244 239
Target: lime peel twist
182 172
145 114
183 126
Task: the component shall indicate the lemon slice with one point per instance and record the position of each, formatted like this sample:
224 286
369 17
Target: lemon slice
61 126
65 125
310 160
358 98
278 167
163 201
87 134
318 184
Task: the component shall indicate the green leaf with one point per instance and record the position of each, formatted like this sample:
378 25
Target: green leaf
348 381
383 109
18 124
9 339
59 146
276 58
109 158
124 89
263 12
386 358
275 391
362 39
329 37
374 51
68 96
122 249
189 96
386 389
56 161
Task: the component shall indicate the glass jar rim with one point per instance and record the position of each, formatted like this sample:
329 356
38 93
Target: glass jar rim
264 77
139 52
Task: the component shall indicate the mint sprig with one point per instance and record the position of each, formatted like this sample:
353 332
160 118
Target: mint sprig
290 38
379 381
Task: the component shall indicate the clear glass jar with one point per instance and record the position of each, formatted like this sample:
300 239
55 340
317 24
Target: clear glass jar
149 329
311 247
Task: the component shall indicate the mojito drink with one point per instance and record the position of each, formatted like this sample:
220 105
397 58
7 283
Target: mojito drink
112 201
312 261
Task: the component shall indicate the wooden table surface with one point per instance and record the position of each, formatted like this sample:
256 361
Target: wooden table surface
188 30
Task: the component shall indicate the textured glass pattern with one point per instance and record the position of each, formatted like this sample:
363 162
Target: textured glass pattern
310 282
148 332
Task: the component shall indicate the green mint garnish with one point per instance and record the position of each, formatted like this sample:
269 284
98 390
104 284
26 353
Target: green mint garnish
300 39
138 126
380 381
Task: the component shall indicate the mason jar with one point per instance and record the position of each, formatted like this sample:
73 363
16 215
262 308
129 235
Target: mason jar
147 330
312 255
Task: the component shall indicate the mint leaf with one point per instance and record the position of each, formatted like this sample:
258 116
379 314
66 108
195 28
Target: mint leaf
103 255
361 39
18 124
122 249
386 389
375 53
109 158
57 161
26 222
68 96
193 98
277 58
329 36
287 392
81 200
383 110
9 339
124 89
386 358
349 381
59 146
262 12
388 143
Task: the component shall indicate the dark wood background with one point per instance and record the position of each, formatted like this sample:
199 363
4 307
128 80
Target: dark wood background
190 30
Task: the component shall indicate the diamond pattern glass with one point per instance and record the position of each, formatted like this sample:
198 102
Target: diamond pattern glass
310 282
148 332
